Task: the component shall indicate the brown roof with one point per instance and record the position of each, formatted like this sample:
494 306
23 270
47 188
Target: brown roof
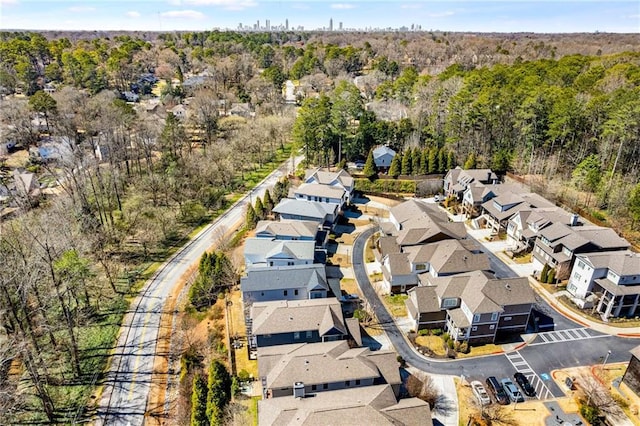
399 264
327 362
621 262
388 245
373 405
422 300
284 316
451 257
300 228
459 318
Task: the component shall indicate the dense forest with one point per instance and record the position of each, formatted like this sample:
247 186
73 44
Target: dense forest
565 108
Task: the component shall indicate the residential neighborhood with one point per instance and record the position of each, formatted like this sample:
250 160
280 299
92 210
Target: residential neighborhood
443 266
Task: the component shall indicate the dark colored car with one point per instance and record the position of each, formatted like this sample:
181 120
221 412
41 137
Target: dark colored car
497 390
524 384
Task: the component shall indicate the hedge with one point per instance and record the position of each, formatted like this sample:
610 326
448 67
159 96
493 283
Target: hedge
386 185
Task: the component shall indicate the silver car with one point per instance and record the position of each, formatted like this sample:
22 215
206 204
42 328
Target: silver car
481 393
512 390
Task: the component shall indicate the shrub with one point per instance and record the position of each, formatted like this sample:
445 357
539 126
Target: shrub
590 414
446 337
544 273
423 333
436 332
551 276
450 343
464 348
401 360
243 375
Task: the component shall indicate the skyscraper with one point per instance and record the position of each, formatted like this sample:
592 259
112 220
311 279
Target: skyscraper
331 24
286 24
268 25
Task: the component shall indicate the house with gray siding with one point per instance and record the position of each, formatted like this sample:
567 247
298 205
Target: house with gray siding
285 283
324 214
261 252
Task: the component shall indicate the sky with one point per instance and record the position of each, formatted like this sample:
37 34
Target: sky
445 15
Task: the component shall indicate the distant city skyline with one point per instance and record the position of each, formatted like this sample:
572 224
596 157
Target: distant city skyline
196 15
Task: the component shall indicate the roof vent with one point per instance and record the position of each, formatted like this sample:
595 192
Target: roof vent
507 286
306 362
298 390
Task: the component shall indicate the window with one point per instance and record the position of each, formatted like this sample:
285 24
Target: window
347 383
572 288
271 263
580 264
474 328
507 318
296 335
577 276
289 263
476 318
357 382
295 292
421 267
325 386
492 326
309 334
494 316
286 292
314 387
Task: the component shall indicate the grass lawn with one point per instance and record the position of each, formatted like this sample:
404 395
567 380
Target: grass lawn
434 343
349 286
481 350
368 254
523 259
341 259
395 304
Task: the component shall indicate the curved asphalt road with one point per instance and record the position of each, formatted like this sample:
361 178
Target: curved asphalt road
542 358
127 385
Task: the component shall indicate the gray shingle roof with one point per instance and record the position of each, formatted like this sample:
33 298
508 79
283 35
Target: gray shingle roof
305 208
623 263
319 190
284 277
288 228
258 250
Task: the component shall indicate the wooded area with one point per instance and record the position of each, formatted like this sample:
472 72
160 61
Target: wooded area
137 179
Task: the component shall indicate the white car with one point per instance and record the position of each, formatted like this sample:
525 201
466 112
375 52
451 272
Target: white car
481 393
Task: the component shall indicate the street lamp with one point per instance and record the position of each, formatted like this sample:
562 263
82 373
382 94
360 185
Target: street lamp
605 359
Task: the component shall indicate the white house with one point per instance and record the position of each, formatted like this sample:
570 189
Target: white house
614 275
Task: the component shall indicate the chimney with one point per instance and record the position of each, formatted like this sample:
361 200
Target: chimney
298 390
574 220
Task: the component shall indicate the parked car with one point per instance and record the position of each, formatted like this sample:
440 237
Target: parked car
480 392
512 390
524 384
497 390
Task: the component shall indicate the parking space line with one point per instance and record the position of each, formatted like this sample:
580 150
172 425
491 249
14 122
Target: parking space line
517 360
565 336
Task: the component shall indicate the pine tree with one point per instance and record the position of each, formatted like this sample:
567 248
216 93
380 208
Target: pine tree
442 160
251 218
370 171
199 402
451 161
551 276
416 161
267 202
219 392
424 163
471 161
407 159
544 273
259 209
433 160
394 169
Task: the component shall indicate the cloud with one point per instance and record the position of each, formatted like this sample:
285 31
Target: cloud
183 14
411 6
440 14
133 14
342 6
225 4
81 9
7 2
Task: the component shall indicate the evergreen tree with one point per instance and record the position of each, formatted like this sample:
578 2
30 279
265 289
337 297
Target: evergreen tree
394 169
370 171
471 161
433 160
407 159
416 161
544 273
634 206
442 160
251 218
424 162
199 402
551 276
219 392
451 161
267 202
259 209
